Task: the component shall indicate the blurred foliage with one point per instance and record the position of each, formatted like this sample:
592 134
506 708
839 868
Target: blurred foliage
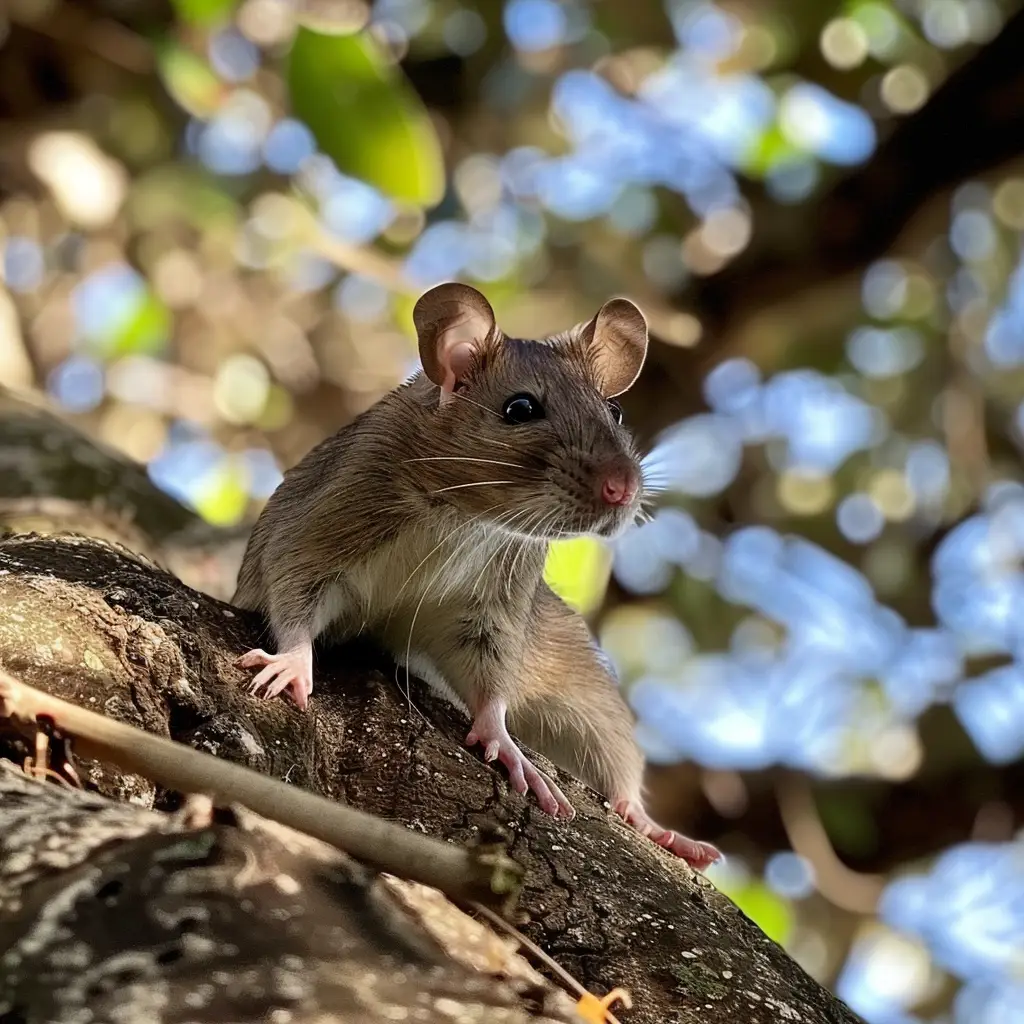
773 913
214 223
577 570
364 115
205 13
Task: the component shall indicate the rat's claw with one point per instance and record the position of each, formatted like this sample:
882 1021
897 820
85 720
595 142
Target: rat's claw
266 676
300 693
697 854
490 732
700 855
290 671
549 796
252 658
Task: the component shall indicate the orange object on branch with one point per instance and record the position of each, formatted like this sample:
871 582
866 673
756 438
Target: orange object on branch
594 1009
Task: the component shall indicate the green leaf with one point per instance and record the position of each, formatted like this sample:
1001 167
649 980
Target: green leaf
768 151
205 12
223 498
577 570
365 115
190 80
141 327
145 330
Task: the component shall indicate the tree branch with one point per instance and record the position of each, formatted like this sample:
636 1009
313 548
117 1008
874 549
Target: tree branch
90 623
972 123
125 914
484 875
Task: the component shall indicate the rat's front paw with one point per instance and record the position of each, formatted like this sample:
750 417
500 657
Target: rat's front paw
292 671
697 854
522 772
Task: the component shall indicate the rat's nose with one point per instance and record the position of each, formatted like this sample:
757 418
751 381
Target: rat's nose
619 487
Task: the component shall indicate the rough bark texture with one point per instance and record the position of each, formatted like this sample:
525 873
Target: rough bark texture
115 913
54 479
92 622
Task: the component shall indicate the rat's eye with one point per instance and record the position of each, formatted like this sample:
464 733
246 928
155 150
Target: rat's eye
616 410
522 409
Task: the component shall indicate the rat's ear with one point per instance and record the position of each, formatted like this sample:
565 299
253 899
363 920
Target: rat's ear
453 321
616 343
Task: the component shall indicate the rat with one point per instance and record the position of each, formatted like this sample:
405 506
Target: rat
425 524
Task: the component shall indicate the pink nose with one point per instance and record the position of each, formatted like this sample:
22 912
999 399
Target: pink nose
619 487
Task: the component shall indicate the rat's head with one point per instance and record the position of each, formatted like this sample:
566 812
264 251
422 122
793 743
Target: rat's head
529 434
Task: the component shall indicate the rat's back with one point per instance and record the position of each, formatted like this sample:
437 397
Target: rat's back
330 506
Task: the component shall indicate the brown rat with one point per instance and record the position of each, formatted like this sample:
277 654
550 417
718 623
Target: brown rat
425 523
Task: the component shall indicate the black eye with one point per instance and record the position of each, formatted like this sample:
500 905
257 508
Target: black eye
616 410
522 409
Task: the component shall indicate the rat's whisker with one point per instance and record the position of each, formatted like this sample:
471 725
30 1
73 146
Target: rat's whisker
444 540
529 532
515 547
660 473
469 537
534 526
523 532
476 483
558 534
463 398
515 561
656 479
463 458
501 547
495 441
451 579
451 533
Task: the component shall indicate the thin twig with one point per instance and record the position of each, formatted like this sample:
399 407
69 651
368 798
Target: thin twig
557 969
485 873
356 259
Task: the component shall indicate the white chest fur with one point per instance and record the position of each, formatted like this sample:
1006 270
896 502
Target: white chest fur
405 590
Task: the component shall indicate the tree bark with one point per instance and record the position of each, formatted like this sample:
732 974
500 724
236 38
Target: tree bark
113 912
93 622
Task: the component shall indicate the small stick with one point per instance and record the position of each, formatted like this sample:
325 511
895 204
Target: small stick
485 874
577 988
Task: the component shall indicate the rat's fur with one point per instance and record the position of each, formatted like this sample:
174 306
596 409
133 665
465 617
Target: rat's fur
373 533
